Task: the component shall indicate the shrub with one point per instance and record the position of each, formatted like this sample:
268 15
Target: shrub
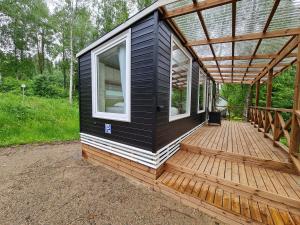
12 85
48 86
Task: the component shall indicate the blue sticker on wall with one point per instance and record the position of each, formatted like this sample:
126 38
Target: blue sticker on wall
107 128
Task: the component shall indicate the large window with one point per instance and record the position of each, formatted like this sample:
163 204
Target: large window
111 79
201 92
180 82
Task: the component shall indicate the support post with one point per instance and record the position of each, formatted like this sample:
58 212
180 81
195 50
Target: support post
256 119
257 93
249 105
268 101
295 127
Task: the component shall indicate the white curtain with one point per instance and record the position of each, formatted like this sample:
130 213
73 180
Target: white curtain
122 63
101 87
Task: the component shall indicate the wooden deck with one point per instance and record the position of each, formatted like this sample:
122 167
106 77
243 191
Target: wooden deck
235 174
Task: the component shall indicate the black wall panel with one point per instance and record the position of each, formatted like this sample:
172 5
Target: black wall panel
139 132
149 128
167 131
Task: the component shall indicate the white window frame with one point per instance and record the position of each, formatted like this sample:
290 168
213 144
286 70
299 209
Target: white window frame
126 117
204 95
189 78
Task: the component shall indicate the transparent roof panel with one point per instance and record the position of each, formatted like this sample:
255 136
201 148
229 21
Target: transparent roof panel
252 15
243 48
286 16
260 61
218 21
272 45
203 50
209 63
239 62
255 69
239 69
190 26
288 60
222 49
178 4
225 62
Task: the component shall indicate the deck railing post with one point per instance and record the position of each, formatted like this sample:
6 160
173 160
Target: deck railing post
295 127
268 100
257 86
276 128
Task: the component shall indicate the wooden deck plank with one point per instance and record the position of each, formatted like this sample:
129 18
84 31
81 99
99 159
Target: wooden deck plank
233 168
254 209
233 204
235 137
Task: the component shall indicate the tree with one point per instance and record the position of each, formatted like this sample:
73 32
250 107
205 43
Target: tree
111 13
141 4
236 95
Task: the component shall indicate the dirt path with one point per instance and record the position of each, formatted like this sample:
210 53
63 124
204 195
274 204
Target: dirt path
51 184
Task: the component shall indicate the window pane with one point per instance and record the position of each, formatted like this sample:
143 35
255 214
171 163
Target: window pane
201 93
180 79
111 80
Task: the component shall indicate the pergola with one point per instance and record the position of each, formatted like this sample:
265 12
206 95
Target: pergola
245 42
238 41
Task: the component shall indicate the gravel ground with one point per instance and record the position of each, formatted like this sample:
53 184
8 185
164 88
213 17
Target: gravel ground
51 184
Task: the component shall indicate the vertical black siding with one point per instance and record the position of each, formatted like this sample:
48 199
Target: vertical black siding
139 132
167 131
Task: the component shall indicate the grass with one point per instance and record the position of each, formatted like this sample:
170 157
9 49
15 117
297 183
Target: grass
36 120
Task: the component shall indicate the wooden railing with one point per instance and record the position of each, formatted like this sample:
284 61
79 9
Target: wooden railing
274 122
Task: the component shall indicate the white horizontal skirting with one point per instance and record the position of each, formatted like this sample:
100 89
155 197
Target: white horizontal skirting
147 158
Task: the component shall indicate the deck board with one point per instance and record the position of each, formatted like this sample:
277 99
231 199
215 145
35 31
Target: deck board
236 137
232 170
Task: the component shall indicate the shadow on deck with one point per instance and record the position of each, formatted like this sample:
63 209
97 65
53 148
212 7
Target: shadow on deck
234 174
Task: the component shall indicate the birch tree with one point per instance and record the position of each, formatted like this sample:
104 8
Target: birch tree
72 4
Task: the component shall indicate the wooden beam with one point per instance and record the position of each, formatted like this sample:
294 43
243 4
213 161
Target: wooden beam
246 57
207 37
183 40
234 81
195 8
293 43
258 65
246 37
229 71
275 5
295 127
257 93
234 76
233 34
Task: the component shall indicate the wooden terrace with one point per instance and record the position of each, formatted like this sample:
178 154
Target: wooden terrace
235 174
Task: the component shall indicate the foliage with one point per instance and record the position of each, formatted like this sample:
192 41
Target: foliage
141 4
36 120
282 90
235 96
111 14
48 86
12 85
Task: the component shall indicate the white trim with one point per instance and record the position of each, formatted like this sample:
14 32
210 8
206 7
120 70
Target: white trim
142 156
189 85
126 117
126 24
204 95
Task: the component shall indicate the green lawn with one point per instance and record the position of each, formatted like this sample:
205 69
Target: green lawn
36 120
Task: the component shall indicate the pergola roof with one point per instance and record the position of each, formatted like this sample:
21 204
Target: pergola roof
238 41
235 41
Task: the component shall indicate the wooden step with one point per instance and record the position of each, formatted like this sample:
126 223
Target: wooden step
259 183
287 167
224 204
